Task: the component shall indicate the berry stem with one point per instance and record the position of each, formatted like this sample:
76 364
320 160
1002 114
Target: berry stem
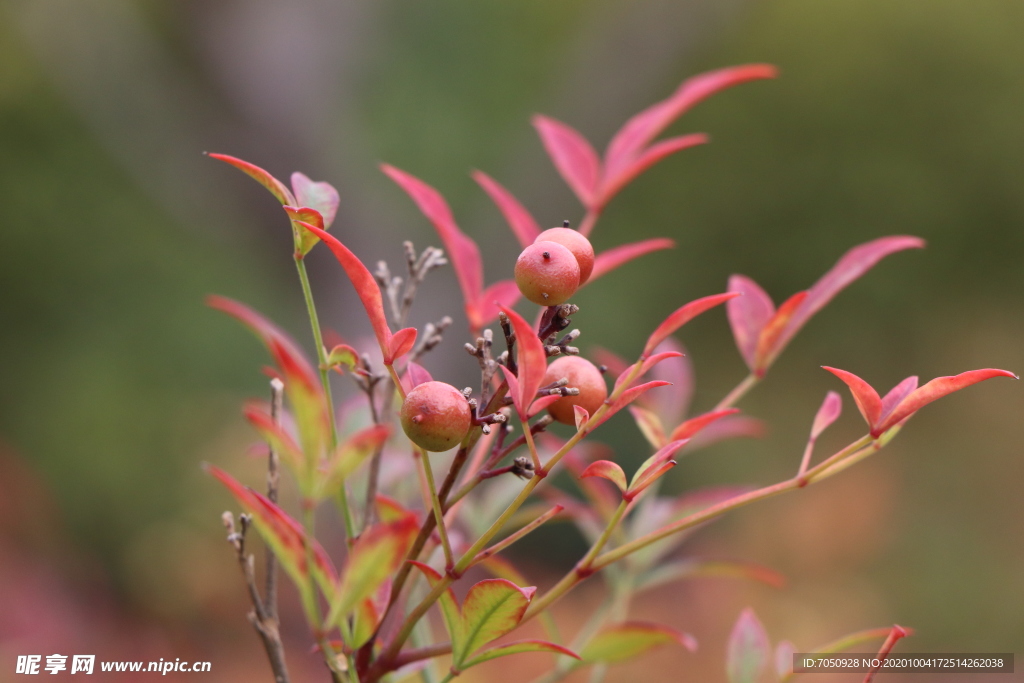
430 498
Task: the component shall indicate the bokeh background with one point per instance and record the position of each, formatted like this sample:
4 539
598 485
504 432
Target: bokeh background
116 382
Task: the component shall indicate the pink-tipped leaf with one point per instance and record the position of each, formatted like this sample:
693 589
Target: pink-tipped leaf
580 415
531 361
518 218
768 345
370 296
830 410
936 389
866 398
683 315
695 424
640 130
650 425
606 470
573 156
748 652
627 397
518 647
275 186
278 439
609 260
662 456
622 642
748 315
613 182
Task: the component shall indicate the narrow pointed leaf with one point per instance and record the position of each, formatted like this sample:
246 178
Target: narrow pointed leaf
661 457
316 195
492 608
683 315
650 425
282 534
462 251
640 130
366 288
646 365
542 404
650 476
768 346
606 470
519 219
501 294
572 155
696 424
375 556
512 538
897 394
729 427
350 455
936 389
286 354
849 268
830 410
627 397
866 398
275 186
612 184
622 642
748 315
531 361
609 260
748 652
449 607
518 647
278 439
694 569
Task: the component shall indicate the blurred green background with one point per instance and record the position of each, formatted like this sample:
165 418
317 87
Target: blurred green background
889 118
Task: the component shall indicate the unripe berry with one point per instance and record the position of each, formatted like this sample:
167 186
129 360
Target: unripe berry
576 243
547 273
583 375
436 416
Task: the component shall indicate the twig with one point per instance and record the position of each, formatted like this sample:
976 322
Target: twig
273 479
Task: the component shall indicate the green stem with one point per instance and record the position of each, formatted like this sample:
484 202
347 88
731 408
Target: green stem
325 380
428 474
309 529
738 392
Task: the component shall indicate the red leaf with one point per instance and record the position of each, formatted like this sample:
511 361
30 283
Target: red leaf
581 415
609 260
850 267
316 195
683 315
377 554
531 361
646 365
936 389
866 398
768 346
401 343
519 219
606 470
504 293
640 130
285 352
897 394
276 187
274 435
573 156
695 424
828 413
542 403
304 239
612 184
462 251
282 533
415 375
748 315
732 427
627 397
366 288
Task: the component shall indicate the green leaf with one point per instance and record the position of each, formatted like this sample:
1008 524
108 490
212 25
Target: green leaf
343 354
748 652
349 455
284 536
390 510
492 608
374 557
630 639
304 239
693 569
368 614
517 647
